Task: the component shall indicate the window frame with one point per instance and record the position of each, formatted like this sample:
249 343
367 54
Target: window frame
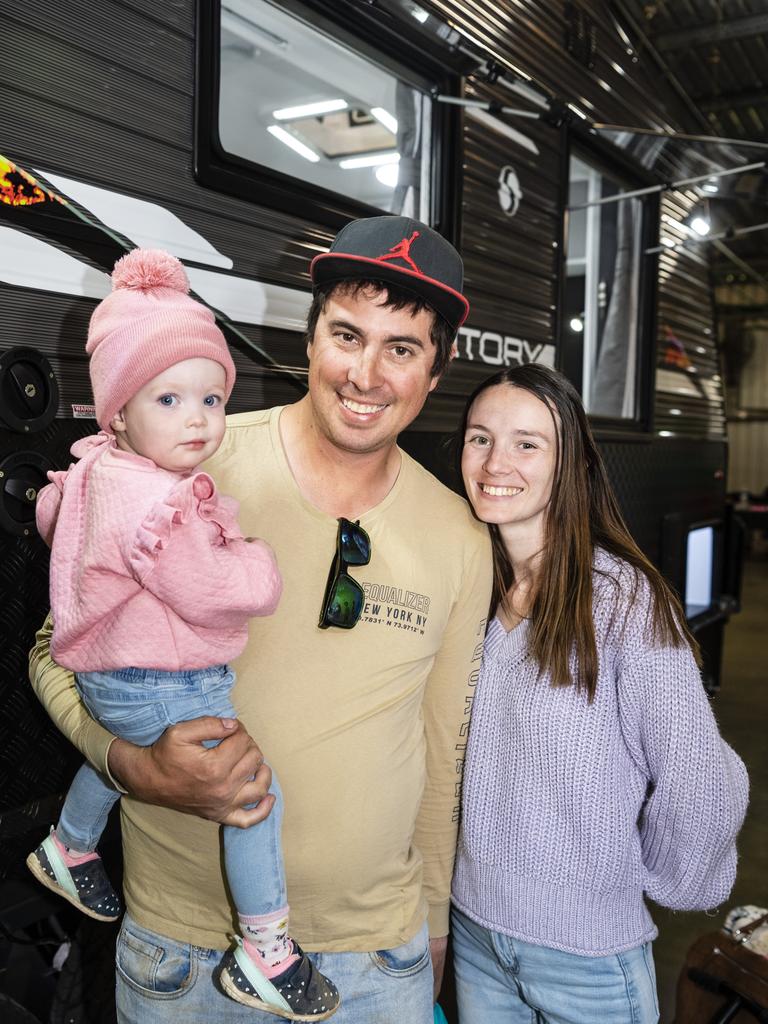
372 39
606 158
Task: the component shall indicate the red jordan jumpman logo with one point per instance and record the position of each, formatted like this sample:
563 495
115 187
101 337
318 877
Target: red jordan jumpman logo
401 251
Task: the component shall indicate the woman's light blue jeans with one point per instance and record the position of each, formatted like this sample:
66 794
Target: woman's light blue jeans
501 979
139 705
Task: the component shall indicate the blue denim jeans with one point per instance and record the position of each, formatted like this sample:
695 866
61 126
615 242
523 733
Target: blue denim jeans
139 705
501 979
161 981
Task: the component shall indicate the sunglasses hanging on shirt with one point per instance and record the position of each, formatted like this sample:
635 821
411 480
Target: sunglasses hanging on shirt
344 598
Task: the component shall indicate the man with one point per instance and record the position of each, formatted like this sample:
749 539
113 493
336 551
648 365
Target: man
358 688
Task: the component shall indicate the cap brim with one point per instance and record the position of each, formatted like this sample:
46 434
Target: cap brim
451 305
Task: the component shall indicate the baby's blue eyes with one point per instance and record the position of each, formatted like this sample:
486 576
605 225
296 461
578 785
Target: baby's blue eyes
210 401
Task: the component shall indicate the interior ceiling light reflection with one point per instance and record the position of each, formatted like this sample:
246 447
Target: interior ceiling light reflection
293 143
309 110
370 160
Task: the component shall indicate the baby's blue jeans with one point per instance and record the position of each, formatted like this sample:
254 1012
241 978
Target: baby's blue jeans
139 705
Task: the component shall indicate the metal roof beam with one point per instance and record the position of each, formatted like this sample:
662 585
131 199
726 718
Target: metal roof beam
715 32
732 100
732 309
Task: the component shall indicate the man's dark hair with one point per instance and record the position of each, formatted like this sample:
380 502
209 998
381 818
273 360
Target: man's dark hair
441 334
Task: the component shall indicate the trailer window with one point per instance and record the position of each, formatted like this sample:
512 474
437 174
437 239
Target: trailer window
602 289
297 101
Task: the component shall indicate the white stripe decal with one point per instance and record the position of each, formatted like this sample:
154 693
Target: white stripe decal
252 302
146 224
29 262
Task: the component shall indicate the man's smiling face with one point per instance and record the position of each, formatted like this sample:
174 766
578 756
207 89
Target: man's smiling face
370 369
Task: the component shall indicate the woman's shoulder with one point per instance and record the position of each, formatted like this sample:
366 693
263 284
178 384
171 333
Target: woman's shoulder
622 594
616 574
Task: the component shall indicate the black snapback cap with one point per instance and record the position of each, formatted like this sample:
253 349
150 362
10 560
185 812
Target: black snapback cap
399 251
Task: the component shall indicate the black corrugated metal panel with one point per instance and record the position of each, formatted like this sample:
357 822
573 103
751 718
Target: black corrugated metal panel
42 68
510 261
516 260
531 318
57 326
651 479
689 388
176 14
625 84
699 422
533 39
115 137
114 107
442 411
111 32
127 160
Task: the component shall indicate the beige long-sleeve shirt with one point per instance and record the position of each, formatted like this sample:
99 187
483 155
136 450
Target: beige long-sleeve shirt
366 728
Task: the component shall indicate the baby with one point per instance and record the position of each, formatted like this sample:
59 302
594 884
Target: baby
152 585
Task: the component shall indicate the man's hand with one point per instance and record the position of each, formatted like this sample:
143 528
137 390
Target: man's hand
437 949
177 771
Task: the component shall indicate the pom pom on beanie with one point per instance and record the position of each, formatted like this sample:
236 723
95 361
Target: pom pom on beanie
146 324
149 268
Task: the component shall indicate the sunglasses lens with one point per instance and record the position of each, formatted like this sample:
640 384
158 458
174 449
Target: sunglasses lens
354 543
345 603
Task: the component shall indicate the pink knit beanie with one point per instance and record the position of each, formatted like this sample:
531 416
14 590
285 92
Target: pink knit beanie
148 323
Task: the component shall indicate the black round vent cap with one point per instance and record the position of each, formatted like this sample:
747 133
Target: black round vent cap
29 393
22 475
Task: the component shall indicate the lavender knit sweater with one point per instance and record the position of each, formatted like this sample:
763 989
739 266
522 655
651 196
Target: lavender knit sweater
572 811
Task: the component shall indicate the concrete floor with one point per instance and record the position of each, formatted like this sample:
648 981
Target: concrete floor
741 708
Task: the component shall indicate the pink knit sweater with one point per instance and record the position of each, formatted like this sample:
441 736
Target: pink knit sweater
149 568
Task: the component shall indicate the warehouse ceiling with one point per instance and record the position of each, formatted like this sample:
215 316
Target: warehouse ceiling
718 51
715 54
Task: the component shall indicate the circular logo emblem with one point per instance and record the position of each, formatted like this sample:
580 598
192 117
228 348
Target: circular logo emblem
509 191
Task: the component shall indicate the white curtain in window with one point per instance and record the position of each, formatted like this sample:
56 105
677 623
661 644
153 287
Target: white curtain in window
613 389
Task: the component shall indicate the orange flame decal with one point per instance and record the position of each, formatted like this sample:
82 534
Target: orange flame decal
19 188
674 350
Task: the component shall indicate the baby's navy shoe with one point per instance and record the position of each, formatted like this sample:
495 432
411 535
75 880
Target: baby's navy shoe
301 992
86 886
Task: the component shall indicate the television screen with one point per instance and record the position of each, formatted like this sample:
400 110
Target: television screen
699 564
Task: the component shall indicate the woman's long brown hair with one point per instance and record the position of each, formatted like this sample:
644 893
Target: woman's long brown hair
583 514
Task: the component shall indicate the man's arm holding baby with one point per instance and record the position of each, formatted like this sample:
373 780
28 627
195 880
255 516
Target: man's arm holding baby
176 771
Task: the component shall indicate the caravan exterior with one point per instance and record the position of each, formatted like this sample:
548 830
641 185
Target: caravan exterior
241 134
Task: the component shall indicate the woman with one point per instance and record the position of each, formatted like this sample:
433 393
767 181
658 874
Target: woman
595 772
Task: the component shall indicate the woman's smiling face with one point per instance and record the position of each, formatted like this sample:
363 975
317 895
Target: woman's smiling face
509 459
